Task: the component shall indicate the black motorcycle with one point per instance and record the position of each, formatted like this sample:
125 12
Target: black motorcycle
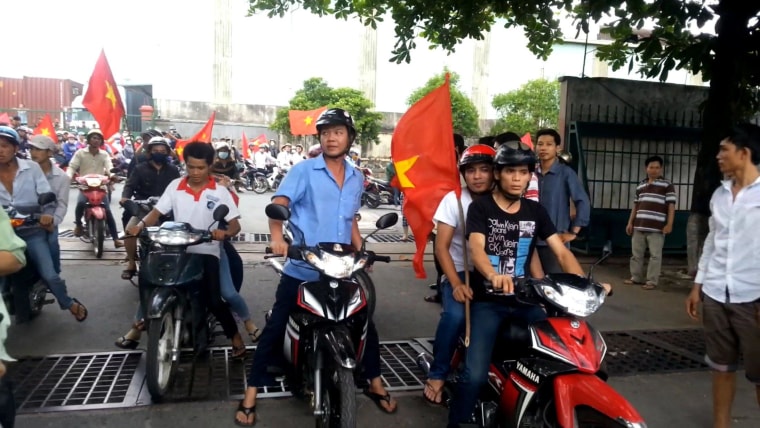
170 280
24 292
325 336
377 192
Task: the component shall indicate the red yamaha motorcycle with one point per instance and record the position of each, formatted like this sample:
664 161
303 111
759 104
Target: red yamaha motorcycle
95 189
549 374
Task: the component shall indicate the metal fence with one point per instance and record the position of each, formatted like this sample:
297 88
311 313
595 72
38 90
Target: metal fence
609 146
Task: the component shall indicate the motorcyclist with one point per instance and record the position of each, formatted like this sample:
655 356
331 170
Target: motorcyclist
22 183
263 160
41 148
23 147
476 167
297 155
324 211
502 231
149 180
284 159
93 160
224 164
191 199
69 147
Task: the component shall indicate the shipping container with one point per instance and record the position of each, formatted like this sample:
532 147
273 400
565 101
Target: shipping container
33 97
136 96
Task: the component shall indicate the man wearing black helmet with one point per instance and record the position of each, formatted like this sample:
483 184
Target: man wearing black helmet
502 231
323 193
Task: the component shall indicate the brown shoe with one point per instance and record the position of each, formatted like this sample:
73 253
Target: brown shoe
78 230
118 243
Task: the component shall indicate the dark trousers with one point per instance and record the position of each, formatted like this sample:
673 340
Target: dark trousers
211 293
549 261
271 341
79 212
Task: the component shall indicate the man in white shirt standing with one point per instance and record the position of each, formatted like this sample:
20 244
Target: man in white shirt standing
727 280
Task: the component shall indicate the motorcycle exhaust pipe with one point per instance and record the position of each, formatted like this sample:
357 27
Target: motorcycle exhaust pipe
424 362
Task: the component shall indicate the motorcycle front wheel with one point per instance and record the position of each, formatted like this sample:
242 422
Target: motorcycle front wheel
260 185
373 200
338 399
98 235
160 367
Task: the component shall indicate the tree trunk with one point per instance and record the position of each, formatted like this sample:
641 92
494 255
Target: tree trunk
720 112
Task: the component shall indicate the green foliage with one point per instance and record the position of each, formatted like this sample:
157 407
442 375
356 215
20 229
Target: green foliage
316 93
464 113
533 106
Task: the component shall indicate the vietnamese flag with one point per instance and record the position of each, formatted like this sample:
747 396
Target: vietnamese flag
46 128
422 149
5 120
261 139
204 135
244 149
102 99
526 139
304 122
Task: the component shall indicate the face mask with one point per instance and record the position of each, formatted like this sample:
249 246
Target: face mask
224 155
159 158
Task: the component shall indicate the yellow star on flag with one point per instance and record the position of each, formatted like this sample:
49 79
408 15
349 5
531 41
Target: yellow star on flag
203 137
402 167
308 120
110 95
45 132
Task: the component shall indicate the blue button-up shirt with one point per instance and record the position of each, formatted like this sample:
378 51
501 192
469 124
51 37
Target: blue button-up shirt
29 183
557 187
322 210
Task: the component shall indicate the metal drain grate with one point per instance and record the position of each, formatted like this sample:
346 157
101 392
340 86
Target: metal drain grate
389 238
629 355
84 381
691 340
399 367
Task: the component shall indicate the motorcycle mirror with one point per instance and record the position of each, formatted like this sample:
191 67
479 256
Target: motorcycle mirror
221 212
132 208
386 221
46 198
277 212
565 157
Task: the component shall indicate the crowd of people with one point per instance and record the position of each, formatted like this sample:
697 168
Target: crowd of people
524 206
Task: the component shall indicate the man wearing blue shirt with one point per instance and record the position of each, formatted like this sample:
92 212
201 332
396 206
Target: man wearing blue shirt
558 184
323 194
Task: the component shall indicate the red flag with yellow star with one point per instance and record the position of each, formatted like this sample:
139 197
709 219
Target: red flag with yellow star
46 128
204 135
102 98
304 122
423 153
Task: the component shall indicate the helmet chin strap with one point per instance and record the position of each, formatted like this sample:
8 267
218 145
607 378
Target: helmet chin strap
508 196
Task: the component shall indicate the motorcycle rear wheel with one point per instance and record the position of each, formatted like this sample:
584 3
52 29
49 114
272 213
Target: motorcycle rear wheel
260 185
373 200
160 368
338 399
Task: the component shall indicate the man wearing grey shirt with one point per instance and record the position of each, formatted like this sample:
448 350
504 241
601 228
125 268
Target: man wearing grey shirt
41 148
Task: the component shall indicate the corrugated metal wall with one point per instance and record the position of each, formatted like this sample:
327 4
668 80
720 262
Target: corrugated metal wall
136 96
33 97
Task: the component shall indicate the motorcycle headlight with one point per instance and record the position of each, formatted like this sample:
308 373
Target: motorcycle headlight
173 237
332 265
93 182
580 303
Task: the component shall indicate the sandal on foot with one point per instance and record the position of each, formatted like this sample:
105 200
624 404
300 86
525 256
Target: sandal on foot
632 282
255 335
649 286
125 343
247 412
239 352
433 298
378 400
437 393
81 313
128 274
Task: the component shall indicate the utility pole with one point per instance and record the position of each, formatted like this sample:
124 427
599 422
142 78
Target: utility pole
480 65
222 52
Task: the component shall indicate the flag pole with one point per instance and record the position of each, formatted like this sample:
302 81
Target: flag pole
466 263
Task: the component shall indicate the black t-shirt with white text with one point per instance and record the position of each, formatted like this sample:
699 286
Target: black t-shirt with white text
510 238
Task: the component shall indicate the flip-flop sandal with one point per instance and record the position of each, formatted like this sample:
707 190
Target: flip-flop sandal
437 392
247 411
648 286
255 335
238 353
433 298
82 308
378 399
632 282
128 274
124 343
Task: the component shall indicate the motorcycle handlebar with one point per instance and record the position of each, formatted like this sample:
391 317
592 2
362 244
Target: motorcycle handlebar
520 284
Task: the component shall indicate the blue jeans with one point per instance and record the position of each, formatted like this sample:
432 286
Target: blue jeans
55 249
450 327
271 342
38 251
229 294
487 319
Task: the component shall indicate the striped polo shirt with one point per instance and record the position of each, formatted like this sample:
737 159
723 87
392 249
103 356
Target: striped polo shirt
652 201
